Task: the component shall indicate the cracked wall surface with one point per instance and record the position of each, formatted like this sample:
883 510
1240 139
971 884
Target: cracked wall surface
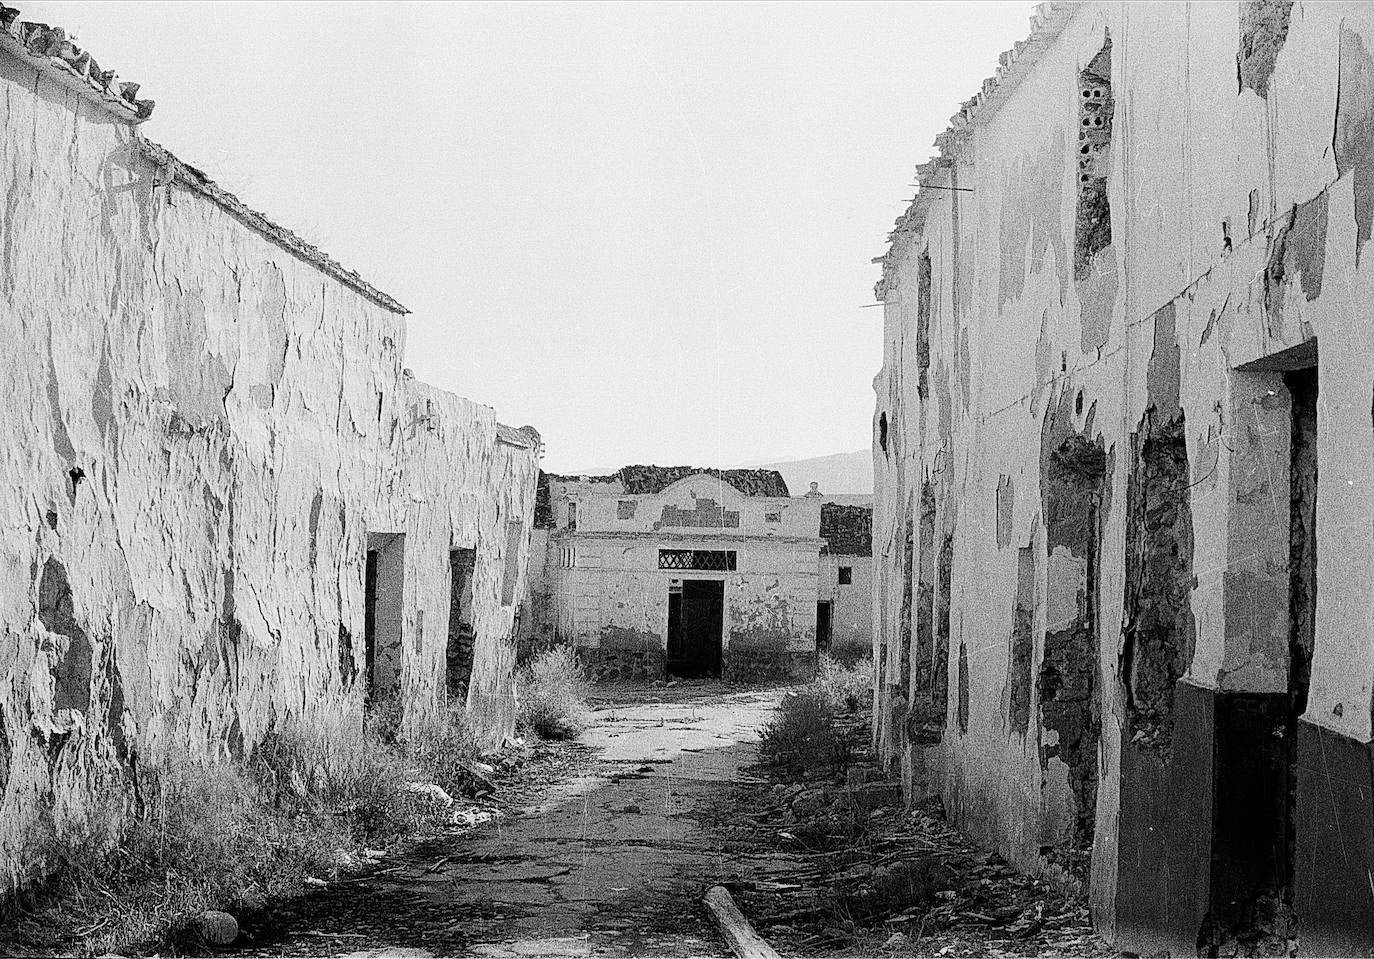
214 423
1150 324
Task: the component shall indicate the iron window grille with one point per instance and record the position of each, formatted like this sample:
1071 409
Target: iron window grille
710 560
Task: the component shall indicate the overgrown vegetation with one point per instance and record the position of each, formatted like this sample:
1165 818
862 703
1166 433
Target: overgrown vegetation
553 695
230 834
802 735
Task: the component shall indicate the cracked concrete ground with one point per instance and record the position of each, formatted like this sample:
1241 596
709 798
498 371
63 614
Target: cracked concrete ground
609 862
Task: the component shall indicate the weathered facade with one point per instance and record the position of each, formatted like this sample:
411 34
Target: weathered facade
657 571
223 503
845 607
1122 440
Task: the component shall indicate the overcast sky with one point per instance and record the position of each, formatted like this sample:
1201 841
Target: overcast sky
646 230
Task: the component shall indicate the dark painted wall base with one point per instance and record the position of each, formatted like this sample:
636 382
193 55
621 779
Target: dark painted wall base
1333 879
1165 834
624 665
748 664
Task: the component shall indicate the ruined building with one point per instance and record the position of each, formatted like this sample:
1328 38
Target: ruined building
1124 489
844 613
223 503
656 571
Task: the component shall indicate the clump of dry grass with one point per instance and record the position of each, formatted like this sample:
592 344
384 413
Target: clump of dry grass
846 687
229 834
553 695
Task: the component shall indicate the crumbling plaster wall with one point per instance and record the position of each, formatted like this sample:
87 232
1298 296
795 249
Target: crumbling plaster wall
1190 153
202 430
464 484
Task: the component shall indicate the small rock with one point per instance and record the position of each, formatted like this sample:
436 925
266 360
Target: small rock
217 928
312 881
631 808
896 940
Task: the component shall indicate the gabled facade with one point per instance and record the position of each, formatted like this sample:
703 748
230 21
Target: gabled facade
654 572
1122 447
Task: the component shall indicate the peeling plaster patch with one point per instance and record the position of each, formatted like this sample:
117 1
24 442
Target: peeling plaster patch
102 404
1032 189
944 582
1159 633
924 654
1354 136
1161 376
1298 247
5 753
1097 295
1263 30
943 405
72 675
965 370
923 281
963 689
1006 506
1044 364
1073 483
348 665
1022 641
61 439
1093 223
908 573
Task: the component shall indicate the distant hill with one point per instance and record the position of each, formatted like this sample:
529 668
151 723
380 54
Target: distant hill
847 473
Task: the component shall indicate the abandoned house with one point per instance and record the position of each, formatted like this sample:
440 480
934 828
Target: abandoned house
1123 449
844 610
223 502
674 571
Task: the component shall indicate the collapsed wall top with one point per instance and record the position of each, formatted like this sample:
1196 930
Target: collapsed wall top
1047 23
648 480
847 530
48 49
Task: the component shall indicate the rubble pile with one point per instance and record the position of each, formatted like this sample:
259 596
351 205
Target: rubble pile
842 868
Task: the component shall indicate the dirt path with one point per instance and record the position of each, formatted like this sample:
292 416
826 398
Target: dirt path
609 862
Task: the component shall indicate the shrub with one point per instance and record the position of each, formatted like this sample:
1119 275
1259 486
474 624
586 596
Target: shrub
553 695
848 652
847 688
801 735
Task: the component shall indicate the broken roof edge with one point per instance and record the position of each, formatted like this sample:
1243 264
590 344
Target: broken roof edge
48 50
524 437
1047 23
196 180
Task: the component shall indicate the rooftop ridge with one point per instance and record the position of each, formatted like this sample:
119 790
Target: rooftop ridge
196 180
48 50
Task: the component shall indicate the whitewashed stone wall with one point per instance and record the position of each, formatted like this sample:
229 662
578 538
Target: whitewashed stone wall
199 430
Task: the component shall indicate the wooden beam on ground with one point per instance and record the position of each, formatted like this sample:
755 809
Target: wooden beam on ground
743 940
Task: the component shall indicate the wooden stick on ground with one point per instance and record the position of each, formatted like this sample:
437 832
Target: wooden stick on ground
744 941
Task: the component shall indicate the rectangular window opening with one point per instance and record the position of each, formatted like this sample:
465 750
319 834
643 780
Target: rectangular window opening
718 560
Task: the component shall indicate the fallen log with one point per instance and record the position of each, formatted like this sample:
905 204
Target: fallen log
741 937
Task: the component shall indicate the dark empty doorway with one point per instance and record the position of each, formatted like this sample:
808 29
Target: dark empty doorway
822 627
695 618
383 585
461 635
